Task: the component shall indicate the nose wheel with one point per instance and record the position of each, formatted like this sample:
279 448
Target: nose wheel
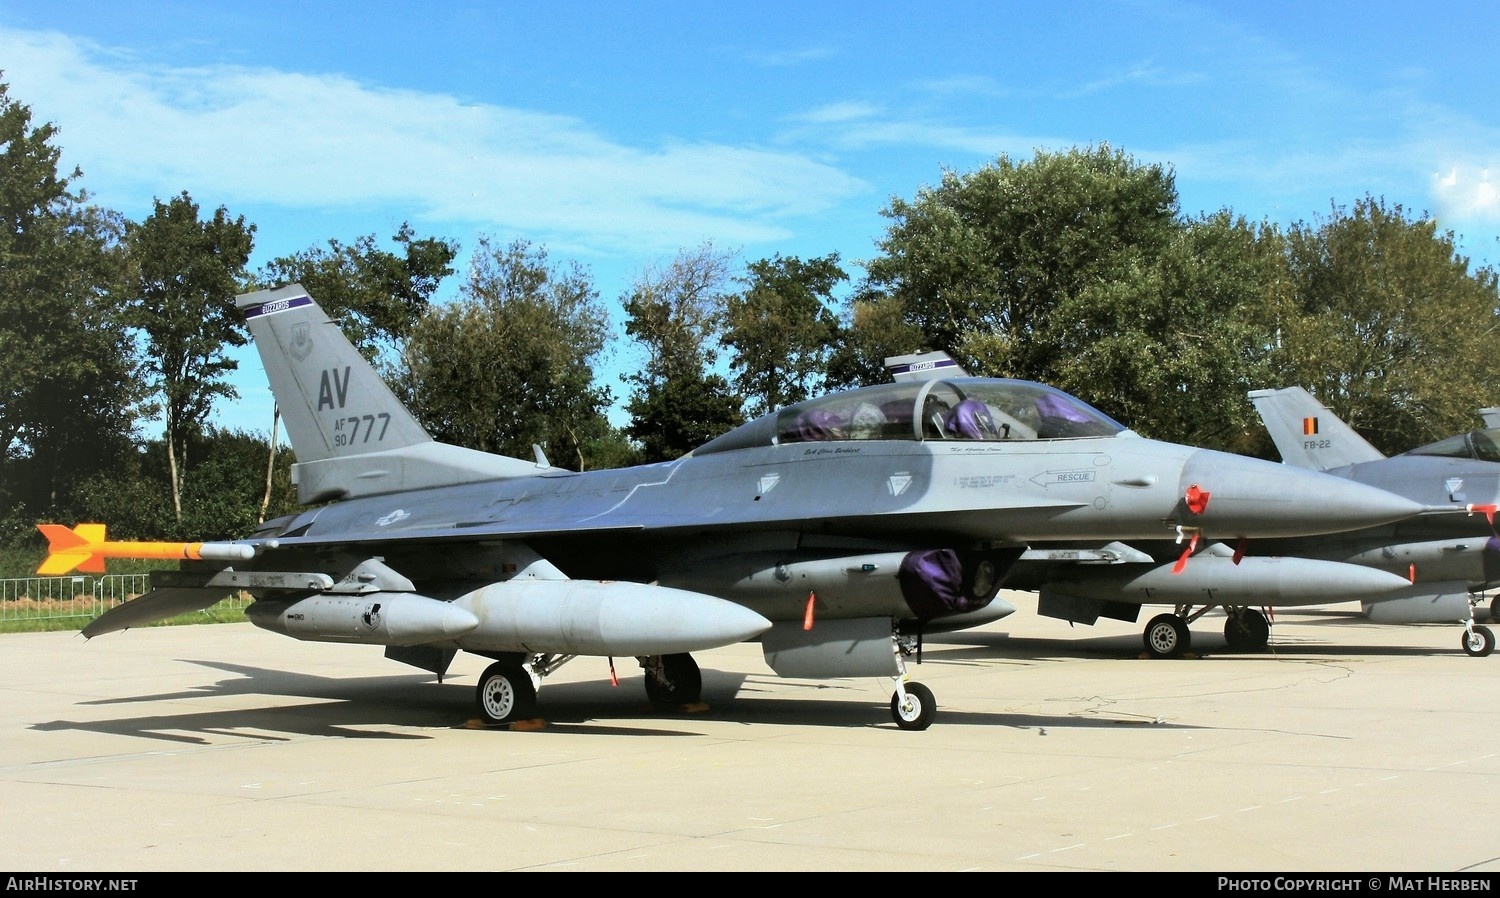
1478 641
913 706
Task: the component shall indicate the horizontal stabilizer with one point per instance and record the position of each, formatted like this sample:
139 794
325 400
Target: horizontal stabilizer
158 604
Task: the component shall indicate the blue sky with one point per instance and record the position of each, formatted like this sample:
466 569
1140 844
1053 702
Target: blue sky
614 134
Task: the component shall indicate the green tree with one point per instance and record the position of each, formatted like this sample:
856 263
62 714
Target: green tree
1170 343
873 327
781 329
1388 325
375 295
981 260
511 363
220 498
1075 269
671 418
186 275
67 401
676 316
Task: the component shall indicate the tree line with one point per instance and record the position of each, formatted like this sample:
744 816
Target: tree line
1074 267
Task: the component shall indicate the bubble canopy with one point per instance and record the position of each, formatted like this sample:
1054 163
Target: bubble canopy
1480 445
966 408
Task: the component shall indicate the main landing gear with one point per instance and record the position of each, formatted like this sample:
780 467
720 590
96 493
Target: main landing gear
507 689
1167 635
672 680
506 692
1246 630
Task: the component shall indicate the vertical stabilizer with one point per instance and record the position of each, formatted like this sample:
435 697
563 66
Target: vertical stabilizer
351 435
333 402
923 366
1307 434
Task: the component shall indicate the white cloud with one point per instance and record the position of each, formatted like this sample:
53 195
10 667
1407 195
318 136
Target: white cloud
1466 192
790 58
236 135
836 113
1142 74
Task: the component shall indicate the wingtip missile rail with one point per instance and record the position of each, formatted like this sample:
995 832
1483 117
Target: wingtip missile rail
86 547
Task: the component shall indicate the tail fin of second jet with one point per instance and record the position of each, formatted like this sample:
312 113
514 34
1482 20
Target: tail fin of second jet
1307 433
351 435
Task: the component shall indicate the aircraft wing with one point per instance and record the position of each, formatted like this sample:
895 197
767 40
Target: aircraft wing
1307 433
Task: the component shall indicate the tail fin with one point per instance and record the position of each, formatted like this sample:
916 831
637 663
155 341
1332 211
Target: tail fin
923 366
333 402
1491 416
1307 434
351 435
72 549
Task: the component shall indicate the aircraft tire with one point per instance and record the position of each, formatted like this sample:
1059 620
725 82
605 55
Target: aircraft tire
1478 641
1495 608
673 680
1247 631
919 709
505 693
1167 636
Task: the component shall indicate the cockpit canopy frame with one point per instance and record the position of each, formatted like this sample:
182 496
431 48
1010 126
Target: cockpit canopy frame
966 408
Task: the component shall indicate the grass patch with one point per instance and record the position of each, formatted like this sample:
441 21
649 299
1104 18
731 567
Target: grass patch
226 612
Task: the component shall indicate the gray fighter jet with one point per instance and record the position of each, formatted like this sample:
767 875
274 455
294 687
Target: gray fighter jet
1450 554
1080 582
836 532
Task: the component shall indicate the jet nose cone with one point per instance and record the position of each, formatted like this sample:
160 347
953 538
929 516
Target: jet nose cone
1240 496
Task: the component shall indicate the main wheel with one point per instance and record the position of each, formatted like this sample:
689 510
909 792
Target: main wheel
1167 636
1478 641
506 693
918 709
1495 608
1247 631
673 680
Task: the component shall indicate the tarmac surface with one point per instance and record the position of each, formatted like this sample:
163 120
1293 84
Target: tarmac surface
1345 747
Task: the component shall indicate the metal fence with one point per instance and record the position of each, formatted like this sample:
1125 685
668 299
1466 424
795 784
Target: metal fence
28 598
